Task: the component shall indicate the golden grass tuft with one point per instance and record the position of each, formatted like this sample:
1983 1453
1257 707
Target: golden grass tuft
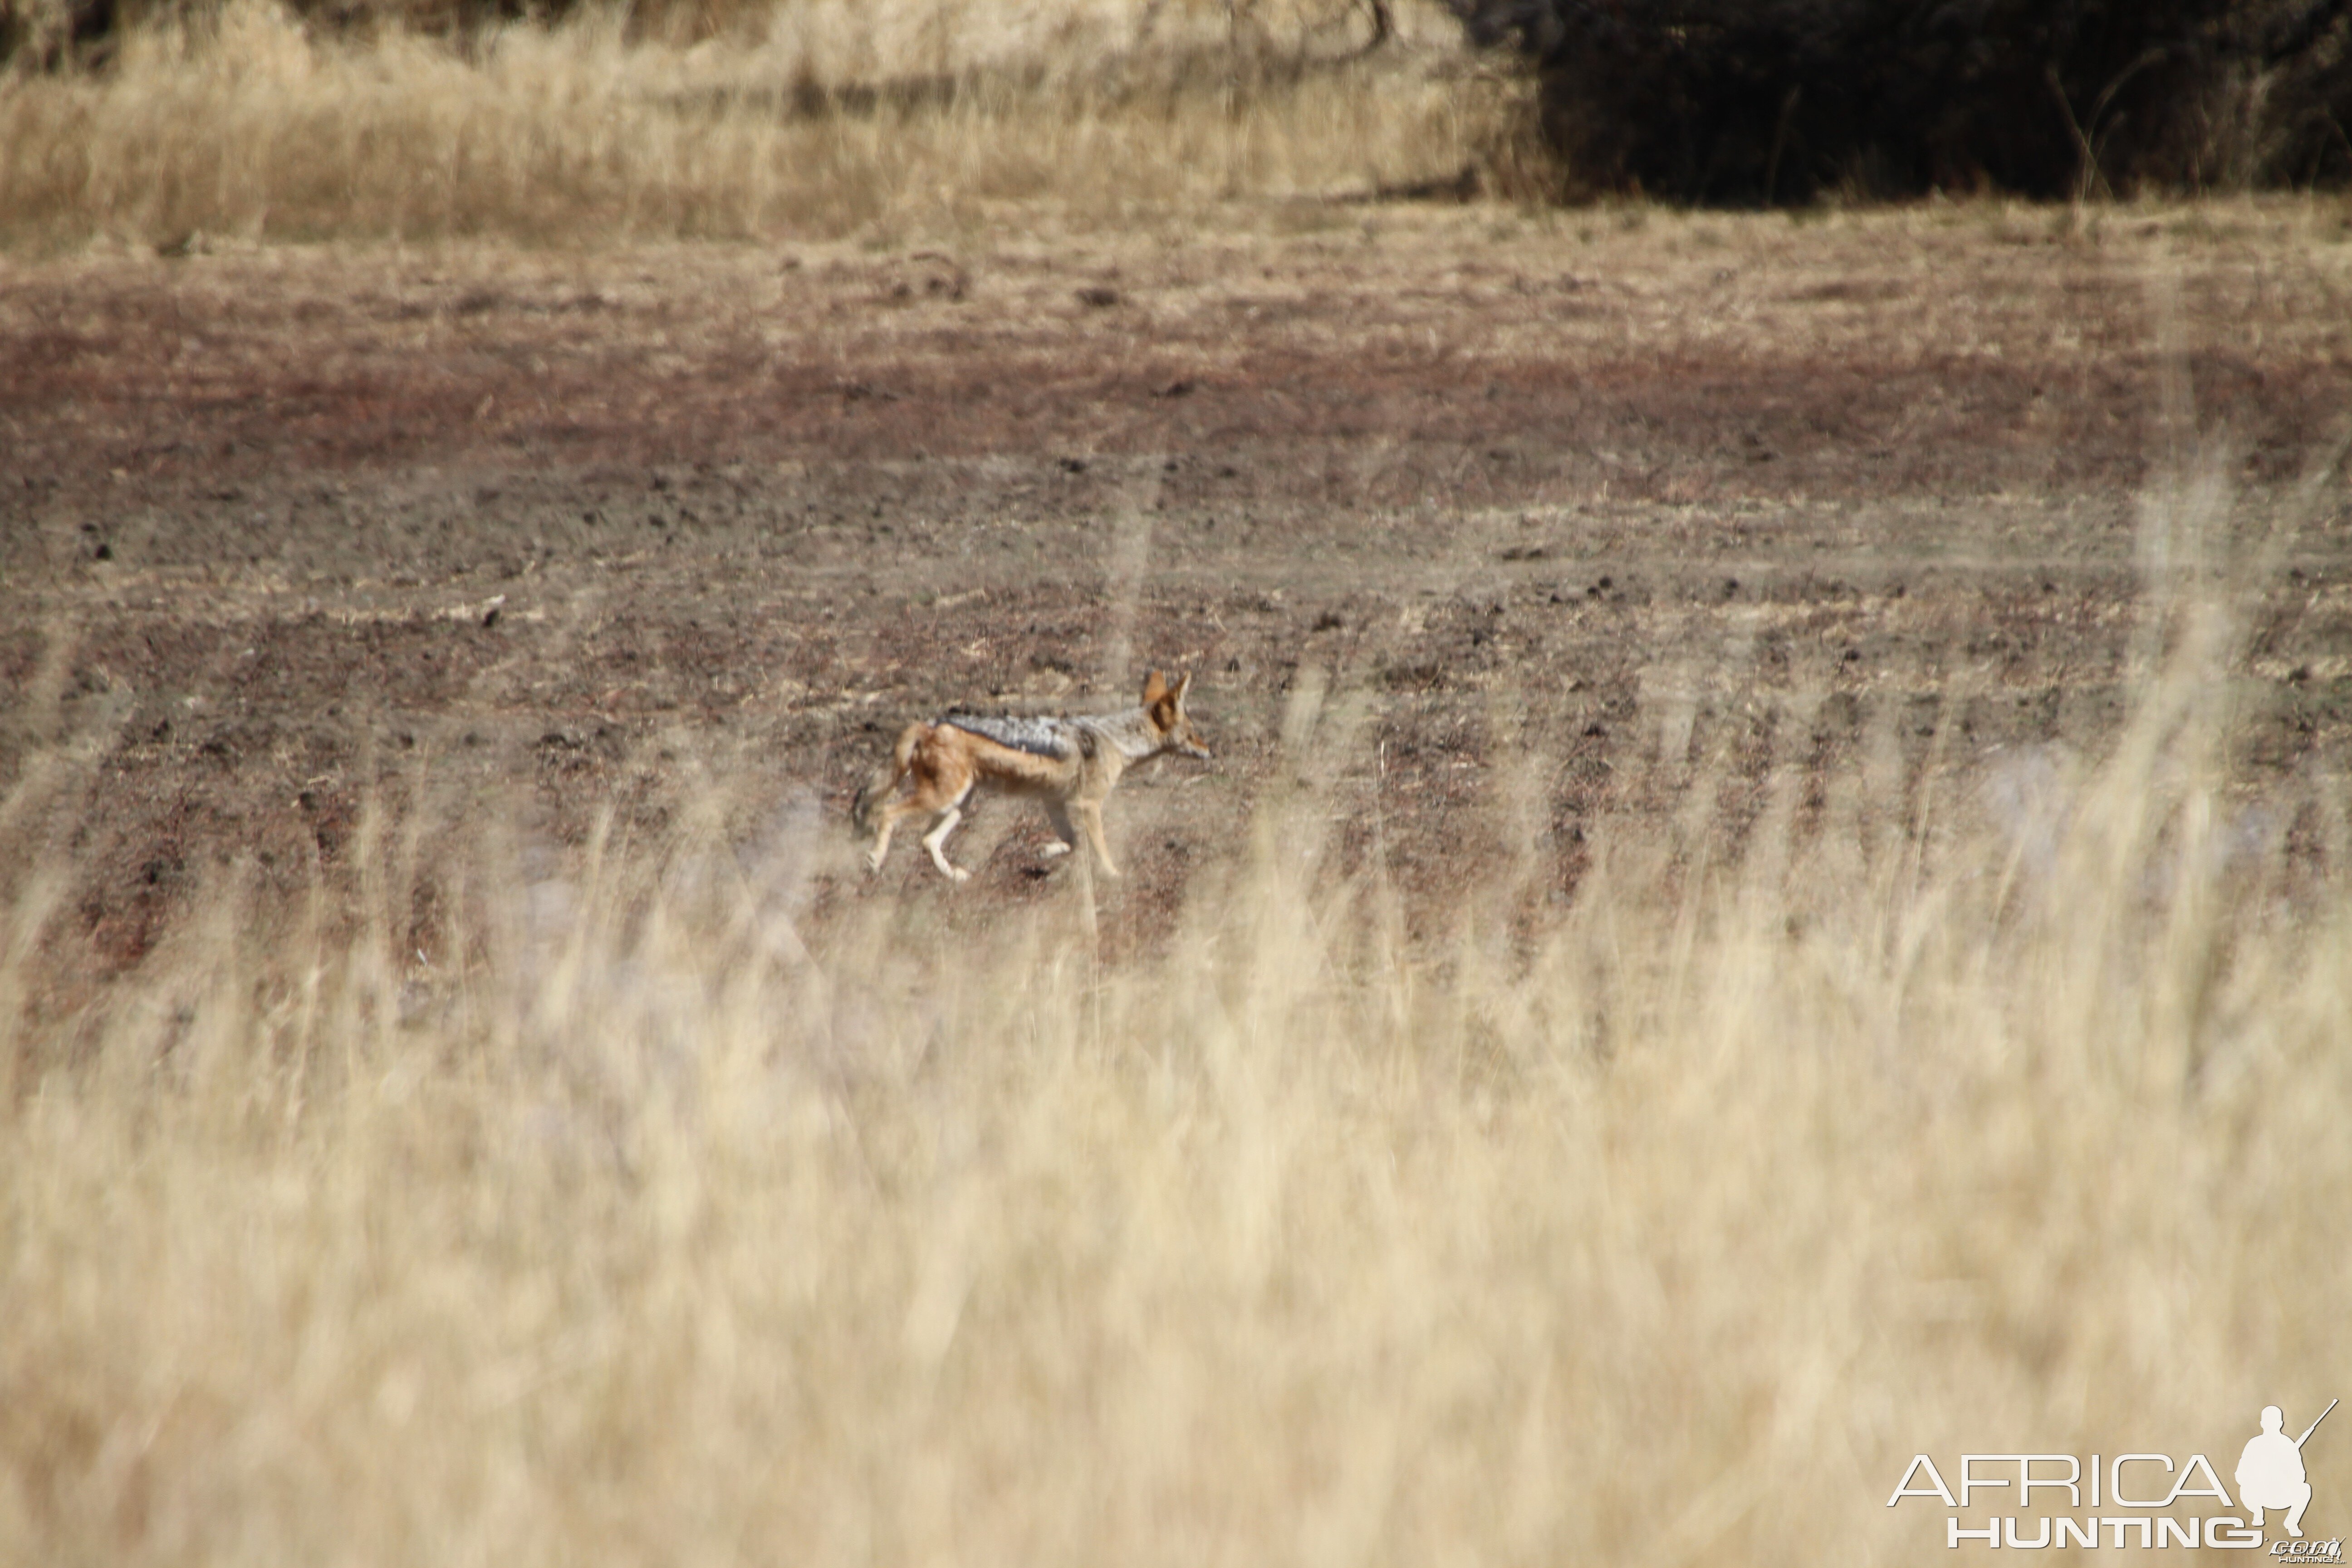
833 120
624 1225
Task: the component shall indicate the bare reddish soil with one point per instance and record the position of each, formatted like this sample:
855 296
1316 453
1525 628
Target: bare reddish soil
1589 511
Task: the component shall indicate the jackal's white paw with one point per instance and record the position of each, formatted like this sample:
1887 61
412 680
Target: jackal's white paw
958 874
1054 849
873 863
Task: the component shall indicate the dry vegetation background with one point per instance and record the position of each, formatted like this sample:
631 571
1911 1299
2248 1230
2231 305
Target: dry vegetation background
663 1207
820 119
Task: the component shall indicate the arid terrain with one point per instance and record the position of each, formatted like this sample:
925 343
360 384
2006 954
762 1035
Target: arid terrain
1771 901
1586 506
1771 897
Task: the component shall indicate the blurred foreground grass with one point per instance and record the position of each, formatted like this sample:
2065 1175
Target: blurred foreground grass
633 1221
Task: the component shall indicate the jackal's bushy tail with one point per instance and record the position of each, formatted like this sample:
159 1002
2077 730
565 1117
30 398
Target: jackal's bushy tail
886 778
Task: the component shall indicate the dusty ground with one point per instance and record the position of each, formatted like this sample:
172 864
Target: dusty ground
1591 508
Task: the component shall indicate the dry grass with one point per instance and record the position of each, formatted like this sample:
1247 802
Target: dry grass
837 121
617 1212
616 1225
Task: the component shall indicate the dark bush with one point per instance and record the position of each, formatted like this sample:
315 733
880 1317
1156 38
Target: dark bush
1744 102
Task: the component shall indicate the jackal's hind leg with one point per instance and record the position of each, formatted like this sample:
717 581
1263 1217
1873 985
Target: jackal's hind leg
935 842
889 814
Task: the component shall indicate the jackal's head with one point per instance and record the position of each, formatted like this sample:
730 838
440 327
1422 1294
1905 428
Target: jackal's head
1164 705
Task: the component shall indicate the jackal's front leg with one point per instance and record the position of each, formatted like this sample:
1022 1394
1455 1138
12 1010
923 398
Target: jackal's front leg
1090 816
1066 837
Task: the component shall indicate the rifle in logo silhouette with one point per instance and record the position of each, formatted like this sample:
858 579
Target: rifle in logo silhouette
2307 1431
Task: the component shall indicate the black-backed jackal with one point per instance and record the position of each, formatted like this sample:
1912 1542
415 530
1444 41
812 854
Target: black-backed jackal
1068 763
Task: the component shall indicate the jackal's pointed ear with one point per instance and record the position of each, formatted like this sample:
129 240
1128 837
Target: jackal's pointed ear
1183 684
1155 687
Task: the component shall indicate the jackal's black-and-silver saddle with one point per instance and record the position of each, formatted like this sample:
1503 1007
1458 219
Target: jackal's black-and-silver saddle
1040 736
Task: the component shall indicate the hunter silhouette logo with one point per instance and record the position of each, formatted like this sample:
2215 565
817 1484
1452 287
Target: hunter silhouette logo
2271 1474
